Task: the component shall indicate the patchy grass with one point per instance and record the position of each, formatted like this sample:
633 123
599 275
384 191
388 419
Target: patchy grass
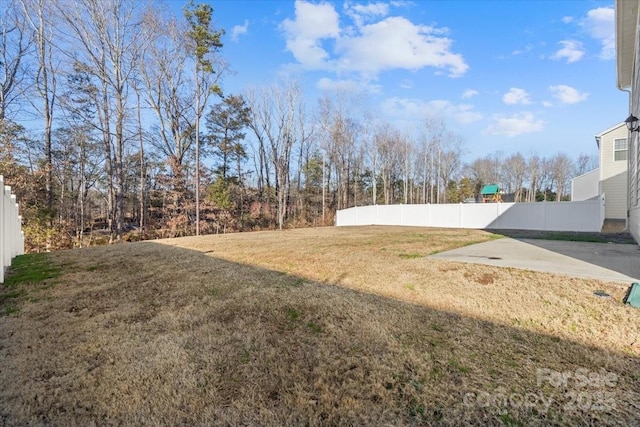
29 274
314 327
31 268
209 330
292 314
410 255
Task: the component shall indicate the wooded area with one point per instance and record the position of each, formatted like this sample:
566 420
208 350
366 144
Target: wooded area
115 125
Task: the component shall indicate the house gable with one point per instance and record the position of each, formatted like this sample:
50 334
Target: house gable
606 144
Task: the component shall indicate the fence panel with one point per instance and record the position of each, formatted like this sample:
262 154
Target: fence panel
448 216
415 215
583 216
11 235
389 214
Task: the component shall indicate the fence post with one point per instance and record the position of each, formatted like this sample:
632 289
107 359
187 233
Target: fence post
2 230
602 211
11 235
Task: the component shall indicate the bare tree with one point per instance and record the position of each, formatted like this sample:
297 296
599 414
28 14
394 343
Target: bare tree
547 181
586 163
434 129
562 169
387 141
15 45
372 155
406 167
35 12
168 93
339 130
485 170
108 38
277 120
143 177
534 172
449 160
259 113
513 175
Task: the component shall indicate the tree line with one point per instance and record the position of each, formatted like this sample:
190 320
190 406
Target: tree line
115 125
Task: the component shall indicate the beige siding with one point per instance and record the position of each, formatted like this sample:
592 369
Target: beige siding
634 152
613 174
628 70
585 187
609 167
615 190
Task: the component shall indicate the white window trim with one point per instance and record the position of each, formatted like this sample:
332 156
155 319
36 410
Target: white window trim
615 151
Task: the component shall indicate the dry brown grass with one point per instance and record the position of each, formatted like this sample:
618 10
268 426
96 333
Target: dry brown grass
329 326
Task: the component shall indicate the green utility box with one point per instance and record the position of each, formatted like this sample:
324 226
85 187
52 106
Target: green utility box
633 295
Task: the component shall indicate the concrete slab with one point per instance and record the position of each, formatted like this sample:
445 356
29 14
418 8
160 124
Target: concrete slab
604 261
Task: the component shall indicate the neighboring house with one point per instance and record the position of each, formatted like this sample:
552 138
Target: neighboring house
628 78
610 178
585 186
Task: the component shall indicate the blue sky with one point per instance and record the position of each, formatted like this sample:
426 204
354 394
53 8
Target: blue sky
527 76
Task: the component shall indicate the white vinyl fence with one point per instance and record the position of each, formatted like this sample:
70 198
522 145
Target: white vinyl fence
583 216
11 235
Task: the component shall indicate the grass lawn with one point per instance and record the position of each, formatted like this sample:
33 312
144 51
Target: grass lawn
326 326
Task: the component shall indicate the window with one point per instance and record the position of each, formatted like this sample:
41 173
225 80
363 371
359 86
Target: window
619 149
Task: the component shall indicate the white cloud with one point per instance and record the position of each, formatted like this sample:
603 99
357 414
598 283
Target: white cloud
239 30
401 3
567 94
547 104
396 42
528 48
389 43
313 23
352 86
567 19
416 109
516 96
514 124
361 13
406 84
600 25
469 93
571 50
371 9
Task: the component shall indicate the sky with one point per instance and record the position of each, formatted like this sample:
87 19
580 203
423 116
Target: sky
508 76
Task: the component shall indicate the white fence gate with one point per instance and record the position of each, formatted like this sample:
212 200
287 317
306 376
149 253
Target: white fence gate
11 235
585 216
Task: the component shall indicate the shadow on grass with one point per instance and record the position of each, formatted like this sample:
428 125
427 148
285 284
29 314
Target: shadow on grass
147 333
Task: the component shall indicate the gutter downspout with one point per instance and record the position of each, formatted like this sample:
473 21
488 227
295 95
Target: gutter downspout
599 168
630 137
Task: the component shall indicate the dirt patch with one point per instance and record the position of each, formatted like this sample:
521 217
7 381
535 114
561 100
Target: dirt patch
484 279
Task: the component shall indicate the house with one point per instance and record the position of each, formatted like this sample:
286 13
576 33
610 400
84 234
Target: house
610 178
628 79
